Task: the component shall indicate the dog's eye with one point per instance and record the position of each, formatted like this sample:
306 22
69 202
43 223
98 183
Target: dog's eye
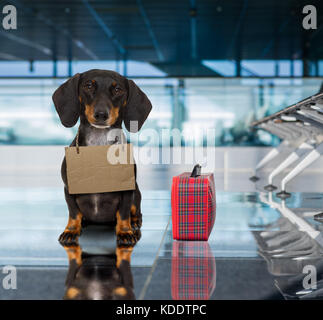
88 85
117 90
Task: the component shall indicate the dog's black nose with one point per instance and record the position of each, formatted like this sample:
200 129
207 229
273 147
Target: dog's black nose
101 116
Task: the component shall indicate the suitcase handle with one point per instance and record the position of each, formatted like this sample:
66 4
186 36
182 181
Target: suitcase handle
196 171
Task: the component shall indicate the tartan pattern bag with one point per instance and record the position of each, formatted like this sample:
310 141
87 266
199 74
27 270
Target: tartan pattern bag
193 271
193 206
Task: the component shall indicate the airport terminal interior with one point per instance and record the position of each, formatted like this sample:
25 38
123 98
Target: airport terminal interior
241 81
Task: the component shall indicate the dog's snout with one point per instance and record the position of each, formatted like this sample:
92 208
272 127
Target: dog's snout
101 116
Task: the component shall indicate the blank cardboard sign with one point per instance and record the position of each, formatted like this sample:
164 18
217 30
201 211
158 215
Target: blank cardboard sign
97 169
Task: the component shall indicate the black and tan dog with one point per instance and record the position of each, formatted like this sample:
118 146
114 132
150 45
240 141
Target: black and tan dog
99 277
102 100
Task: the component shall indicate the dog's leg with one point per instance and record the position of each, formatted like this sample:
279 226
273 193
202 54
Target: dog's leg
125 235
74 225
136 216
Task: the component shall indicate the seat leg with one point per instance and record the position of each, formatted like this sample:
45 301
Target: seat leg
267 158
295 155
306 162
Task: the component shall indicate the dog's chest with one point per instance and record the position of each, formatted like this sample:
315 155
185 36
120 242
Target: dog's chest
99 137
100 206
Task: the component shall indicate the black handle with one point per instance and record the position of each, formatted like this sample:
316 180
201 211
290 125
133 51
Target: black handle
196 171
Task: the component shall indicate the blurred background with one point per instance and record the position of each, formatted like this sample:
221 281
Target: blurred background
203 63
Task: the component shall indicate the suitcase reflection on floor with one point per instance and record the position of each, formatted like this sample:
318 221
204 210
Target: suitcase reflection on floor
98 268
193 270
293 248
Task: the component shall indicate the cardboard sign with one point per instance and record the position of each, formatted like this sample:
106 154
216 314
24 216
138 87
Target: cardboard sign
97 169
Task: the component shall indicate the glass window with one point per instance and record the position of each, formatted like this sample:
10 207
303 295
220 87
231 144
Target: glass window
194 105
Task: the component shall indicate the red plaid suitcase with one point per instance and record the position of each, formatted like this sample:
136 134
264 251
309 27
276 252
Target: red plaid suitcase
193 271
193 206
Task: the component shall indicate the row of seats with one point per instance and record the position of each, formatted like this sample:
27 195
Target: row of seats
294 241
300 127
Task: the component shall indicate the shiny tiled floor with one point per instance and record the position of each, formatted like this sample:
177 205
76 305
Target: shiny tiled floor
256 249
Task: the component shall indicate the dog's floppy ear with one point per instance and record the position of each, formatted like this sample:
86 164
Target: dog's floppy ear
137 108
66 101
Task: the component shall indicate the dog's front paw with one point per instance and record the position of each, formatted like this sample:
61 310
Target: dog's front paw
136 230
69 238
127 239
136 224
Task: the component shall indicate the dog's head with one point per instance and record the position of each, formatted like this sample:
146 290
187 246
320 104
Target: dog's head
104 98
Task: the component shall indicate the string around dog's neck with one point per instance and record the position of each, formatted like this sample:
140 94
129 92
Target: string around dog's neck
77 141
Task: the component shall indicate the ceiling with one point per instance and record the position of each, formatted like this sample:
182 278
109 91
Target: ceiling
161 31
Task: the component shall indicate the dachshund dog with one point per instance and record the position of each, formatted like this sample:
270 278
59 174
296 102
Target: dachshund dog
102 100
98 277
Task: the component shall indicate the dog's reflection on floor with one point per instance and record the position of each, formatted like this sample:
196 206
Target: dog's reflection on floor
99 273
